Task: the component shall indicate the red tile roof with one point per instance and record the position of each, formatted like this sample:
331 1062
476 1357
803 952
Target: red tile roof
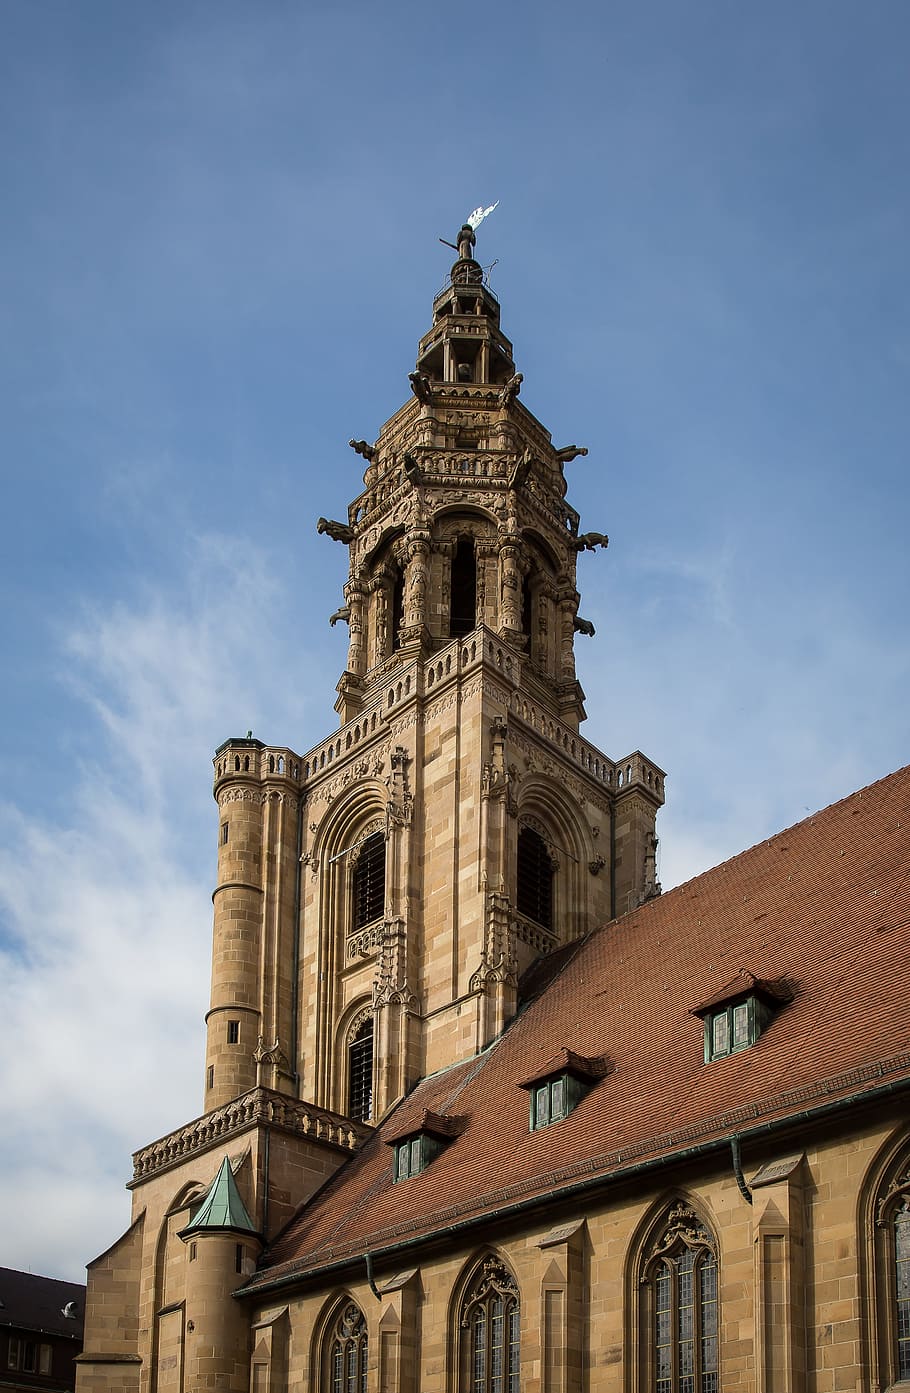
824 905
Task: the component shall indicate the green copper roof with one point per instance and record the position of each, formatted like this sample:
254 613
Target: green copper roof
222 1207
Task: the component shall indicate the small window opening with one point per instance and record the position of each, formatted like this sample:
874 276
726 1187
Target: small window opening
534 878
192 1252
552 1099
526 609
238 1258
224 833
360 1074
397 610
47 1359
463 613
210 1077
233 1037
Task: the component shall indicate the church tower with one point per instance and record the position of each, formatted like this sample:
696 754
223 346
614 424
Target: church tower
379 897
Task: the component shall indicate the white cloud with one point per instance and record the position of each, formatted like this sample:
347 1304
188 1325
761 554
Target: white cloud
105 947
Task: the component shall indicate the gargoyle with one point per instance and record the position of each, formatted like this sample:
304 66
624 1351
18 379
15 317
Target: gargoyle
590 541
362 447
343 613
583 626
511 389
570 452
420 386
521 471
411 468
338 531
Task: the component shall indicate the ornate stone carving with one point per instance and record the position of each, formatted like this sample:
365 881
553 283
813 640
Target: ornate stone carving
683 1229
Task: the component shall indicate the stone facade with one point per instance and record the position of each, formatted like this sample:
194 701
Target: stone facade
379 902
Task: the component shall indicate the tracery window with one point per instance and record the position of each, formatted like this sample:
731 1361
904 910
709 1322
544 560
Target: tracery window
534 878
348 1352
360 1072
680 1311
892 1274
491 1326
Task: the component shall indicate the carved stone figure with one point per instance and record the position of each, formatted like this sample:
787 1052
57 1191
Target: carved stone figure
590 541
338 531
412 469
362 447
583 626
521 471
511 389
420 386
343 613
570 452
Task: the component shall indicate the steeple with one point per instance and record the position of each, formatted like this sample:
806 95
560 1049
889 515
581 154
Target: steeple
463 519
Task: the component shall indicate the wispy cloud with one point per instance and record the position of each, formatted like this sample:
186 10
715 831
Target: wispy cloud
104 913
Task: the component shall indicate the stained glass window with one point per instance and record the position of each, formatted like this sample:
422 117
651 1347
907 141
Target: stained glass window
902 1288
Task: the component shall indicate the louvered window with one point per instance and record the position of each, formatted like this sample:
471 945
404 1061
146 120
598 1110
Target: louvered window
360 1074
535 878
369 881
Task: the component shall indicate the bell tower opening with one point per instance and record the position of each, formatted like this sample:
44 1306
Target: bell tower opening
360 1073
534 881
397 616
463 611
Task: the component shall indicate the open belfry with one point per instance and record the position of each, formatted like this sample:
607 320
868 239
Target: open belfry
482 1109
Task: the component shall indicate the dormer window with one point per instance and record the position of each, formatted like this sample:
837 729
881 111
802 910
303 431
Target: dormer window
421 1141
736 1016
559 1086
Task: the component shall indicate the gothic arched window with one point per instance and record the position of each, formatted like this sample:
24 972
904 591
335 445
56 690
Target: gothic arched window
347 1352
463 605
680 1309
360 1072
490 1331
369 881
892 1274
534 880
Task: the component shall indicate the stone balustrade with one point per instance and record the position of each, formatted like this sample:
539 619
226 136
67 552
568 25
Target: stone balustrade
258 1107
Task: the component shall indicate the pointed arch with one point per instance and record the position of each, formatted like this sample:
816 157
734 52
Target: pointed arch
341 1349
673 1300
551 853
485 1320
883 1243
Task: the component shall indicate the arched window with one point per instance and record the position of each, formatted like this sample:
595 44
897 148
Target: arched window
360 1072
463 609
534 878
369 881
347 1352
892 1273
680 1310
490 1330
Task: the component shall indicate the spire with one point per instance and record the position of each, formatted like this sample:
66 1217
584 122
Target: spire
222 1207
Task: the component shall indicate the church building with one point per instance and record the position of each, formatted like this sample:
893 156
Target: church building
482 1109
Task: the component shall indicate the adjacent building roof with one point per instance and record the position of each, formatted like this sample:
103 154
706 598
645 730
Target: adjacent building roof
823 907
32 1303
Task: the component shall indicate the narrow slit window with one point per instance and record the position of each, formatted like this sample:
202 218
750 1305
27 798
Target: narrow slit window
233 1032
360 1074
463 612
224 833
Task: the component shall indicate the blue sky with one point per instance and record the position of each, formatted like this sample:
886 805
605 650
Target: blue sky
218 251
